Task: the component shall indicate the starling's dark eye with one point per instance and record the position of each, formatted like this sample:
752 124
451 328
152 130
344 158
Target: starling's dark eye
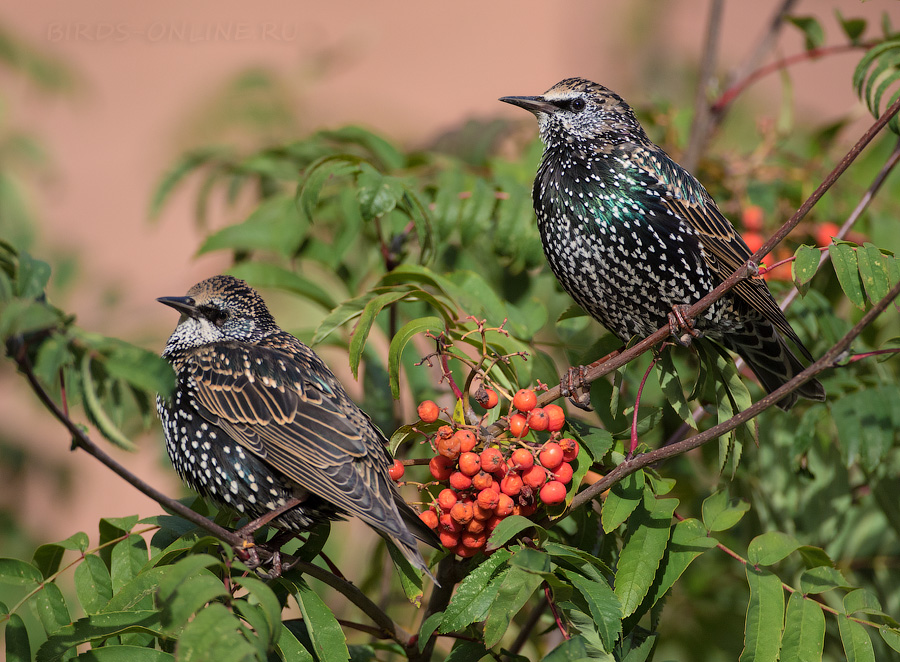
577 105
217 316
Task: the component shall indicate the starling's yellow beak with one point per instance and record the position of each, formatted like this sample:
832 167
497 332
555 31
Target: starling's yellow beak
184 305
533 104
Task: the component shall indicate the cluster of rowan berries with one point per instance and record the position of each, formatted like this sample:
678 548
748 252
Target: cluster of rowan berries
488 482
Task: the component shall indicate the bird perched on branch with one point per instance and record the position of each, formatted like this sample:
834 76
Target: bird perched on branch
258 422
634 238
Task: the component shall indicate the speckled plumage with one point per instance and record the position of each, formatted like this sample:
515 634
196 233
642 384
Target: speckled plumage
257 418
630 234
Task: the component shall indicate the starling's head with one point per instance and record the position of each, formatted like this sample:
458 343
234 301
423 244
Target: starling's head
577 110
219 309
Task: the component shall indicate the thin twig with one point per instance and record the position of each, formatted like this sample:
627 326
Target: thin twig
700 125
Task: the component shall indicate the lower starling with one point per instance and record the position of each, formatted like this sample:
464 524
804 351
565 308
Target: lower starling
632 236
257 419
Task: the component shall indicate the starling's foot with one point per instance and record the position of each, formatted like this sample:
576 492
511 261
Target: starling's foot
574 387
681 328
251 527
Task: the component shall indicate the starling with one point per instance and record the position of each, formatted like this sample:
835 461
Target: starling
632 236
257 419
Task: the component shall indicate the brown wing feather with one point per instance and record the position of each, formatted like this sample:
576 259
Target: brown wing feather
302 424
723 247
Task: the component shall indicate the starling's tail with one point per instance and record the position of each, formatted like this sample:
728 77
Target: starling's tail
771 360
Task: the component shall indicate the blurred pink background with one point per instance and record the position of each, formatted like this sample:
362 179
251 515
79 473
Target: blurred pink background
409 70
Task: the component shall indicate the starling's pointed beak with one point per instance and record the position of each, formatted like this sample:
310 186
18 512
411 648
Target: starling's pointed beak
533 104
184 305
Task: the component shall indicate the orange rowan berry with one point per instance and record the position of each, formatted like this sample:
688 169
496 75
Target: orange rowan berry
469 463
557 417
449 540
491 459
534 477
504 505
448 447
524 400
462 512
440 467
538 419
446 499
397 470
522 459
511 484
460 481
467 440
488 499
553 492
551 455
428 411
518 425
570 448
563 473
430 518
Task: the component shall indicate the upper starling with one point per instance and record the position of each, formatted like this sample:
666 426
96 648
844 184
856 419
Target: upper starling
257 419
631 235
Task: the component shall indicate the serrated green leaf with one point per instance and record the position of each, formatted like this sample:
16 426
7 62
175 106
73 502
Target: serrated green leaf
275 226
52 609
821 579
125 653
570 650
873 272
689 540
290 649
507 529
377 194
128 557
18 647
429 626
857 644
184 166
364 326
853 27
96 411
93 585
604 606
813 33
515 590
804 267
14 571
188 598
99 627
804 630
846 268
476 593
214 634
324 630
406 333
466 651
891 637
47 557
765 617
861 600
672 389
621 501
720 513
649 529
770 548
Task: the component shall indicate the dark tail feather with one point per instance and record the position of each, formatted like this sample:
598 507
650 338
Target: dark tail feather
771 360
415 526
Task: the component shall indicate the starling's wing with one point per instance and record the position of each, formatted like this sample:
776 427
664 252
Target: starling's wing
290 411
724 249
